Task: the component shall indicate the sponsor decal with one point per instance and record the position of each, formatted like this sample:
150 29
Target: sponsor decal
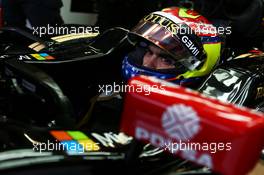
190 45
164 22
24 57
175 26
111 139
160 141
75 142
180 122
42 56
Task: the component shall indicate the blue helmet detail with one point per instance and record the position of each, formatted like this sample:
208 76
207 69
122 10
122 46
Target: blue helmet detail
129 71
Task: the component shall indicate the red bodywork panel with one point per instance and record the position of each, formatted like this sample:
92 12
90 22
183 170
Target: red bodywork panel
218 135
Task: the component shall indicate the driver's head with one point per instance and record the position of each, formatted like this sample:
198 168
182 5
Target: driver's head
157 59
175 44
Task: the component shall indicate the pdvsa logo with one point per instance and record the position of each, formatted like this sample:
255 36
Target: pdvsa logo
180 122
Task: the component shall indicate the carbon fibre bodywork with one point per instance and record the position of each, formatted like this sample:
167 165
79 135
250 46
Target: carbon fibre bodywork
239 81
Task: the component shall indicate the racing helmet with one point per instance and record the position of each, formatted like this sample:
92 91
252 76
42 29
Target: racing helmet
191 43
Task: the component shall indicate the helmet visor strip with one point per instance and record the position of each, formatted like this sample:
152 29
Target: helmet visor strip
167 41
